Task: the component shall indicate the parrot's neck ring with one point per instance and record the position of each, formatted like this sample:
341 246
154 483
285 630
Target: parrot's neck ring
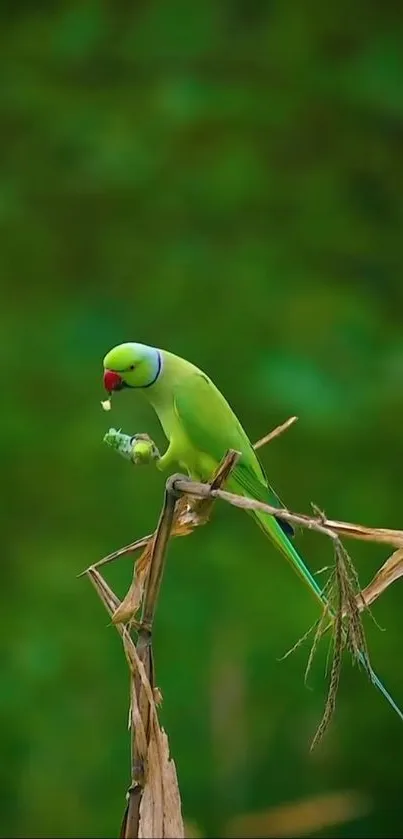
157 372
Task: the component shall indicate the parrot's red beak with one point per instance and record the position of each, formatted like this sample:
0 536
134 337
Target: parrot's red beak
112 381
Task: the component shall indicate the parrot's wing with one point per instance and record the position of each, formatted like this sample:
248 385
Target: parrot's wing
212 427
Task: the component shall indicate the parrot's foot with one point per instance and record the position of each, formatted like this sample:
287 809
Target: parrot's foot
138 448
144 450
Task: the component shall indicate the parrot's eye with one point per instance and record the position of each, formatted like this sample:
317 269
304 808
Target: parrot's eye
132 366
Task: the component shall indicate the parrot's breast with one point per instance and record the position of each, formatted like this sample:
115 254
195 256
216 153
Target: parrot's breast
199 465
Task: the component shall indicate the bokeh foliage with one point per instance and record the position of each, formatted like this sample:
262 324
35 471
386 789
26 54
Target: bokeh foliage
223 180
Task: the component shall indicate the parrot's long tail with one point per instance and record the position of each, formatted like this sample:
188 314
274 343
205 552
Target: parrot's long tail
274 531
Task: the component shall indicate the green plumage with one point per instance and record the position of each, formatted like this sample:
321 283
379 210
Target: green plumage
211 428
200 427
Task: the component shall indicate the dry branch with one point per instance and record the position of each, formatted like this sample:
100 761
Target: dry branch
153 805
327 527
153 800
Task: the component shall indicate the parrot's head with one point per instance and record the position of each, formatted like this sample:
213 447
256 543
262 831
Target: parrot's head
131 365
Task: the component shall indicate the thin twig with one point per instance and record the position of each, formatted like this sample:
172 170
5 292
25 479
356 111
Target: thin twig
218 479
275 433
160 544
326 526
128 549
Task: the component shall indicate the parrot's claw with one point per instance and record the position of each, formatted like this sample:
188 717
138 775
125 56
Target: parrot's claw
138 448
143 450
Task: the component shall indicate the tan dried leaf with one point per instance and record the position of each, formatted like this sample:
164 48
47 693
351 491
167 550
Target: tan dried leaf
160 808
132 600
390 571
382 535
186 519
136 723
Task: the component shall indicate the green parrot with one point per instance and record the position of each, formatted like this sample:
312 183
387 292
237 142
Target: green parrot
200 427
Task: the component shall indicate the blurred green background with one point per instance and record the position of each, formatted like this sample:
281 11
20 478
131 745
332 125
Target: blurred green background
223 180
